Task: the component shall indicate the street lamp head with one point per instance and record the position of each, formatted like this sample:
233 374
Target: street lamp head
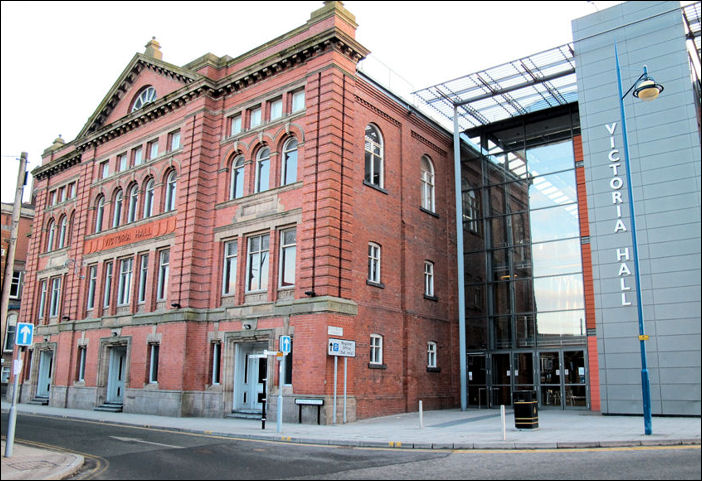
646 88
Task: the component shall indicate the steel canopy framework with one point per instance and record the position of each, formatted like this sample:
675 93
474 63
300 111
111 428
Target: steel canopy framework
540 81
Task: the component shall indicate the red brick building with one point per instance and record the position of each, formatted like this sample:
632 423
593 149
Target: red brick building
206 210
16 279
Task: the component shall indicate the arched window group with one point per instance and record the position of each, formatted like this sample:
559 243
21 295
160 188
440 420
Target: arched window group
134 203
262 169
58 232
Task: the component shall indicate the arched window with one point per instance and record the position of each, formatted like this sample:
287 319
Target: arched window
99 214
149 198
427 184
63 226
51 229
236 186
117 212
145 96
289 162
263 168
69 228
374 156
133 203
169 204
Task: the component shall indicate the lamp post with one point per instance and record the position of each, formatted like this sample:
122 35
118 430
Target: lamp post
646 89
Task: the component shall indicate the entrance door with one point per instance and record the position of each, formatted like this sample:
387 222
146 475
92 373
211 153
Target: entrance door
477 381
46 364
249 376
563 379
116 375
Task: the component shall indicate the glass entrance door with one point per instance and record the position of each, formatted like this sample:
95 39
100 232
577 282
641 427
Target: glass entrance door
550 378
563 379
575 379
477 381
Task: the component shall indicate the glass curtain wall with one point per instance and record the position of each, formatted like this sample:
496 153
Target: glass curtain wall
525 310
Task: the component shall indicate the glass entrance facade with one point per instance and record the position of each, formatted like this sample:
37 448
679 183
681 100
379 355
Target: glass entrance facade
525 309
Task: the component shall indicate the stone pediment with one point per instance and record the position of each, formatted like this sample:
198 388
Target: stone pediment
142 70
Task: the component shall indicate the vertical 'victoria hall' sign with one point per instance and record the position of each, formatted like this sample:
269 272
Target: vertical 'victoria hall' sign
616 183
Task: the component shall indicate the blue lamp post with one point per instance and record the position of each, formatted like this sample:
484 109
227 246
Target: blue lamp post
645 88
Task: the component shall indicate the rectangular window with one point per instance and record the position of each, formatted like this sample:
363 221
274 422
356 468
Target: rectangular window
137 157
174 140
143 271
62 194
153 363
276 109
374 263
257 269
55 297
287 258
429 278
236 125
92 286
255 117
122 162
229 267
10 333
72 190
216 356
125 282
376 349
298 101
52 197
152 149
81 364
162 286
42 299
16 285
104 169
108 284
431 354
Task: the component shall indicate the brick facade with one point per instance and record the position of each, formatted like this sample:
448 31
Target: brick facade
335 214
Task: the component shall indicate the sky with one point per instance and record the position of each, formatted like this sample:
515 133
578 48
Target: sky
59 59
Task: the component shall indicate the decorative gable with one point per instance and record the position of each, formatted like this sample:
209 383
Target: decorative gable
143 70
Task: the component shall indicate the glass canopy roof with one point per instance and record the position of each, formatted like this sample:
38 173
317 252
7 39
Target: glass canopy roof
537 82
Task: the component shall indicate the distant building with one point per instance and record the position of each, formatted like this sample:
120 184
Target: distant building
17 279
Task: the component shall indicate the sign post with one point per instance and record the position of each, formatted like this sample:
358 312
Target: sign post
24 336
345 349
285 345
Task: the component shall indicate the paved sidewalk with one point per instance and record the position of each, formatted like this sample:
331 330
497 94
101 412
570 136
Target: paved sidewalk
444 429
29 462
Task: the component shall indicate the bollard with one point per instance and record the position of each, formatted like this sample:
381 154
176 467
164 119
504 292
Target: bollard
504 429
421 416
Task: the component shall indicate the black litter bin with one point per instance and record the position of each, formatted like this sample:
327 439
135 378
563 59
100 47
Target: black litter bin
526 410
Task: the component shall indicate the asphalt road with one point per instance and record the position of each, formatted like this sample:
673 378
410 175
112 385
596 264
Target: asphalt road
123 452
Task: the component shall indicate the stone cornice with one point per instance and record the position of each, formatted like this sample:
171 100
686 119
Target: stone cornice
288 58
57 165
124 83
197 85
143 116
